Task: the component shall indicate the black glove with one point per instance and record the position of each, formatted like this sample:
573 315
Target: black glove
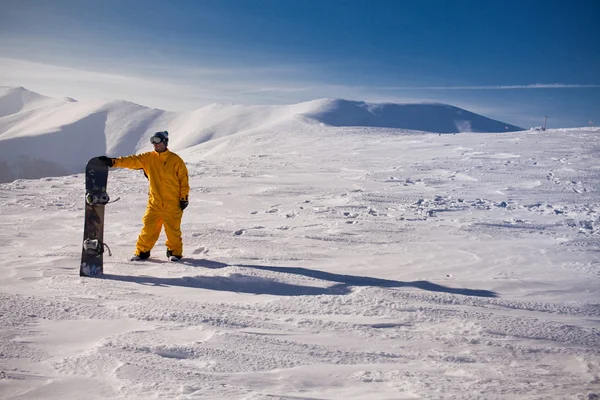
183 204
108 161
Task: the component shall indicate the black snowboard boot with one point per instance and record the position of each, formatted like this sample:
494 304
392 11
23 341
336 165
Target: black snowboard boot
142 256
172 257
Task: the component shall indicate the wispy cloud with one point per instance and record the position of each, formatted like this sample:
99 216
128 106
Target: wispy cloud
281 89
495 87
57 81
180 85
175 87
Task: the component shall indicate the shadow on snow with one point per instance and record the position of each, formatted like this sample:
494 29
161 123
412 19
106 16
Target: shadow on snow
260 285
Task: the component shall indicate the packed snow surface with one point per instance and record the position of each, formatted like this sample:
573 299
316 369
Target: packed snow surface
321 262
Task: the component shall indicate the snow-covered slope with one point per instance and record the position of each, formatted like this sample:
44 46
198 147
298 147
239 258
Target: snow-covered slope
18 99
321 262
430 117
41 137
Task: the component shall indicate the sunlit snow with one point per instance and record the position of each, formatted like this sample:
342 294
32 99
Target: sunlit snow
326 257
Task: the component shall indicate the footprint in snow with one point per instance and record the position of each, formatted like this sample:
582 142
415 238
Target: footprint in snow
200 250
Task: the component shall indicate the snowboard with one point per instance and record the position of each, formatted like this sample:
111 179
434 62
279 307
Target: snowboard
96 177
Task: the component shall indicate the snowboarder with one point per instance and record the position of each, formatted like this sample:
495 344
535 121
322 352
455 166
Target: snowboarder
167 198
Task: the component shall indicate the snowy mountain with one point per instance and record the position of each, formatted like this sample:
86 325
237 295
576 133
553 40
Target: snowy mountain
41 136
17 99
429 117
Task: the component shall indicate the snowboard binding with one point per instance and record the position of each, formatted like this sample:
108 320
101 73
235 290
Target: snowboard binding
94 246
97 199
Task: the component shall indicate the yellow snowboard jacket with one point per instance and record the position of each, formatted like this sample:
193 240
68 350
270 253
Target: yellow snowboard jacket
168 178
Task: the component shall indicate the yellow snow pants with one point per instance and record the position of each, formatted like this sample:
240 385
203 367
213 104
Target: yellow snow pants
153 222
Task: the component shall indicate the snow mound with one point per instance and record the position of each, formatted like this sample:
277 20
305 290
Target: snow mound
44 137
429 117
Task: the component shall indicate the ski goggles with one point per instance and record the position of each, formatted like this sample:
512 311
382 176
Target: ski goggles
156 139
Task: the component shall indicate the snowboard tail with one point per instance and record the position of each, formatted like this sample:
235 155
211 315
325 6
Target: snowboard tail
96 177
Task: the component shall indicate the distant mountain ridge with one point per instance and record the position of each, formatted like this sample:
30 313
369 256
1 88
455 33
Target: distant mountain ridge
17 99
428 117
41 136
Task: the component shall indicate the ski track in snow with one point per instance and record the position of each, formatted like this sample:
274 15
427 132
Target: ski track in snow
347 263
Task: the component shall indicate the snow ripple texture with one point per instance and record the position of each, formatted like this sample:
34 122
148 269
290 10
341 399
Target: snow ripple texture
321 263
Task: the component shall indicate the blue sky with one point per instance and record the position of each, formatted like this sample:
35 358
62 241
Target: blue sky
510 60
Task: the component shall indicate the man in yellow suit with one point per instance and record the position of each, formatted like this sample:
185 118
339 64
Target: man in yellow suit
167 198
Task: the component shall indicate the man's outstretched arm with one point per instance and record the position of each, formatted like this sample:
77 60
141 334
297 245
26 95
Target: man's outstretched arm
135 161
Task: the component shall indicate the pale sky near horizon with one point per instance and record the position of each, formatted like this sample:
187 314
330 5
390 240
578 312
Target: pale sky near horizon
515 61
